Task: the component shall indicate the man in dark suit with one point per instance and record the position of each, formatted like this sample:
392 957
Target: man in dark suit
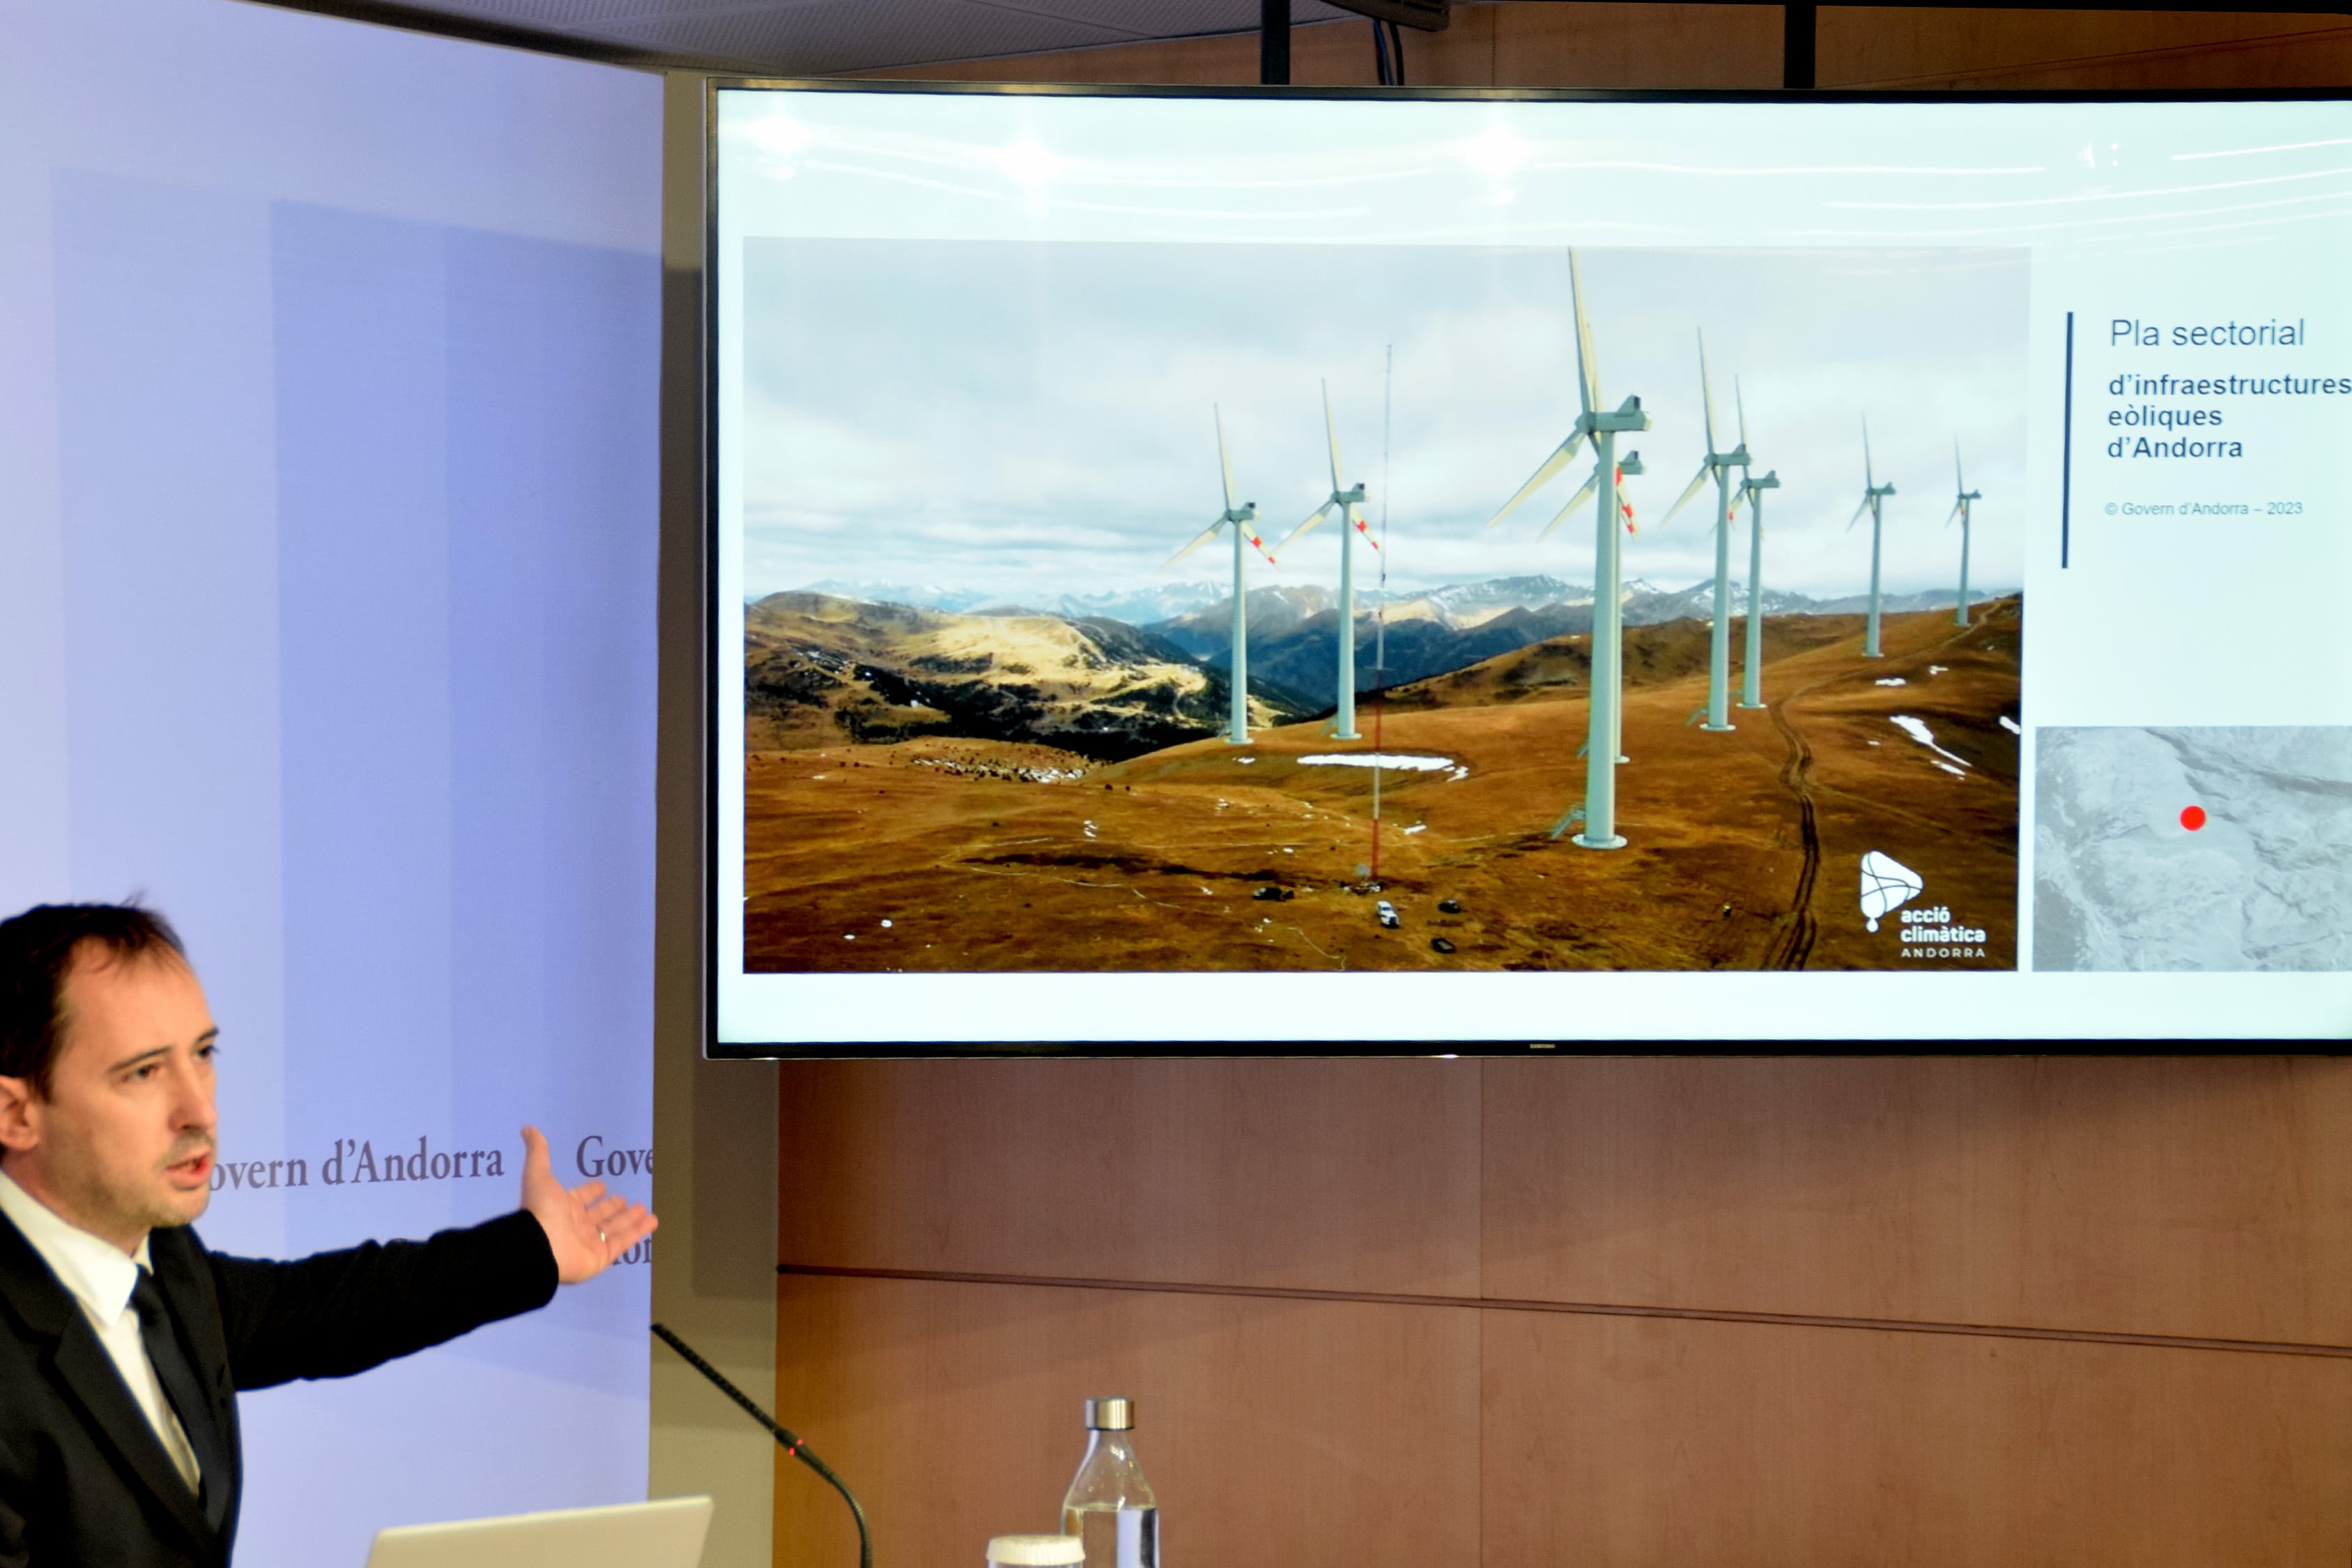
123 1339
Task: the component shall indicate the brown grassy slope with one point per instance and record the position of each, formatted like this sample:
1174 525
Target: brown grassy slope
1151 864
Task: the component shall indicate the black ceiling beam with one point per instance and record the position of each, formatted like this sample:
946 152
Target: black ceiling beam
1273 43
419 19
1797 37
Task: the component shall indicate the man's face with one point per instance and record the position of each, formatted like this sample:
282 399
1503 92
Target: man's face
123 1141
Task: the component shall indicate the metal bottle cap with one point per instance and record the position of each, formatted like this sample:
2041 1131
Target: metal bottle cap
1114 1413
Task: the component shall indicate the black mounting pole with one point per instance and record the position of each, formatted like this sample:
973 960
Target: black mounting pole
1274 42
1797 46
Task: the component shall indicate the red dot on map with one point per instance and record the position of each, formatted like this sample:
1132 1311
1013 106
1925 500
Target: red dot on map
2192 818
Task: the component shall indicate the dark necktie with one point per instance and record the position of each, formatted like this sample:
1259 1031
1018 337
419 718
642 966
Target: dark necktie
185 1392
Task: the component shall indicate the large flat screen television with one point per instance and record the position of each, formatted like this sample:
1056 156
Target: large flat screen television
1477 570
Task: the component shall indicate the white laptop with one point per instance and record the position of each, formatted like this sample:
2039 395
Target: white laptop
666 1533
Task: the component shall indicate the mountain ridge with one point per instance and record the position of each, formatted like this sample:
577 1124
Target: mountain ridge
820 670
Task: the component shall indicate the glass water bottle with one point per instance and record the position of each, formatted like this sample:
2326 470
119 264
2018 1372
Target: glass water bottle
1110 1507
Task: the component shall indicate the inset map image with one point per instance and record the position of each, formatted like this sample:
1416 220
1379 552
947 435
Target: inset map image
2221 849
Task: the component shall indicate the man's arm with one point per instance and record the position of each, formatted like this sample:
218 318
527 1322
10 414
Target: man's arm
342 1312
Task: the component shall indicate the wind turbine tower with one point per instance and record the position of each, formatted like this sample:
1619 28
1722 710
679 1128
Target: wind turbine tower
1243 521
1751 678
1872 495
1960 511
1601 429
1717 466
1345 499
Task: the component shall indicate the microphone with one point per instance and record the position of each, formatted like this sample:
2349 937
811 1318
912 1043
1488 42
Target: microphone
784 1434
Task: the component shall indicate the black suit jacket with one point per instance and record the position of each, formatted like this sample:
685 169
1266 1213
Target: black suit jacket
84 1482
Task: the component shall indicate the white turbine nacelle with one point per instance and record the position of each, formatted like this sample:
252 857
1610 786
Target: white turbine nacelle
1600 429
1344 499
1241 520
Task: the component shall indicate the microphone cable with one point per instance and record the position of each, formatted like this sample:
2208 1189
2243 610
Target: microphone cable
783 1433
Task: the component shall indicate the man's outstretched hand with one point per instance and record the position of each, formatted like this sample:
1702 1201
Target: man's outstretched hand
586 1227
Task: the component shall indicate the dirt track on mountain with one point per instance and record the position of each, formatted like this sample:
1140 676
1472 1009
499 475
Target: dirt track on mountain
1743 849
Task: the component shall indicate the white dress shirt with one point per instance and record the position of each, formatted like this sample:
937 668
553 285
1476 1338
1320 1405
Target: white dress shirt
101 1276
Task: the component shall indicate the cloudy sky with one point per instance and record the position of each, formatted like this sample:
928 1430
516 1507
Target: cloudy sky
1026 419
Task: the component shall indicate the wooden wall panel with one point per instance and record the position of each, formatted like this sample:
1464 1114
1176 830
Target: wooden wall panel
1646 1444
2107 1194
1635 46
1312 1434
1604 44
1333 1175
1595 43
1966 48
2015 1198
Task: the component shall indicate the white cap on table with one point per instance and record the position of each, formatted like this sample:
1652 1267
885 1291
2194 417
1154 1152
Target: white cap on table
1036 1550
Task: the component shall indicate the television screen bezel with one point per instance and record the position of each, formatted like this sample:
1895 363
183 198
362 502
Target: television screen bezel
717 1051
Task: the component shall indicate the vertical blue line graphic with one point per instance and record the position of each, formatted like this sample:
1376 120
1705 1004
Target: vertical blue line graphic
2066 459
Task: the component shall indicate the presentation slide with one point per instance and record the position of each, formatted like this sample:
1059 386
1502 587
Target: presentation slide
1230 568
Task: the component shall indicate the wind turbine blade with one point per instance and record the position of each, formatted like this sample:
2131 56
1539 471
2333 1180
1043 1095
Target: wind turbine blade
1707 401
1737 496
1253 536
1706 472
1741 403
1223 461
1332 430
1551 466
1956 515
1588 363
1363 528
1959 480
1320 514
1857 514
1869 478
1206 534
1584 492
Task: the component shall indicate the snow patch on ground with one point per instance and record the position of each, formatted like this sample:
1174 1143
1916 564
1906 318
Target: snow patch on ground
2010 724
1918 731
1893 681
1399 760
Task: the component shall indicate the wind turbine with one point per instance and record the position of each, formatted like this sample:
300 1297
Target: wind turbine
1960 511
1346 499
1717 465
1751 491
1872 495
1243 521
1751 678
1600 429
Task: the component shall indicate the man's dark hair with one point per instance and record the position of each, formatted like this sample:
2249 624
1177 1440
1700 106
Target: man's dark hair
38 949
